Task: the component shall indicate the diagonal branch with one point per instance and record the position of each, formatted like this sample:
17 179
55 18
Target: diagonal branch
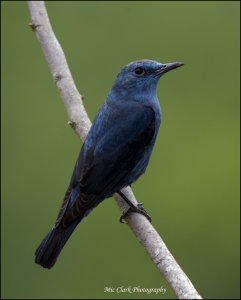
79 121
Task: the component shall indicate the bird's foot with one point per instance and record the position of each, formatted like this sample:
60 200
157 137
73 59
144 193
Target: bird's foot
133 208
139 209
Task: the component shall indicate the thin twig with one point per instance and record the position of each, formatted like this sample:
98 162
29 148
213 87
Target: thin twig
80 122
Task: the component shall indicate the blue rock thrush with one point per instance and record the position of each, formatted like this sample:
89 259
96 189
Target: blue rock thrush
115 153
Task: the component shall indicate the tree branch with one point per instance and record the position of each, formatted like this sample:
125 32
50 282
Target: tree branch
79 121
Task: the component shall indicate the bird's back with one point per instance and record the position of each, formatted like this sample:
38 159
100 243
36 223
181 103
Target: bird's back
115 153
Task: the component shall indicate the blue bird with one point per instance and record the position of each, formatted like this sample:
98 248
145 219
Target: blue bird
115 153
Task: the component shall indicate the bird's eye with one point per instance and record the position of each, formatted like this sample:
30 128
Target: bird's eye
139 71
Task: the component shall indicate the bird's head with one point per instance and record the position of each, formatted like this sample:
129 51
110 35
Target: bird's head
141 76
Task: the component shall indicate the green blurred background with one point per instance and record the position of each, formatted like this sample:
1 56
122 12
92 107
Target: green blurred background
191 188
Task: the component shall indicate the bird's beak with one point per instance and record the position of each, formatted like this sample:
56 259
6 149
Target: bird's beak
168 67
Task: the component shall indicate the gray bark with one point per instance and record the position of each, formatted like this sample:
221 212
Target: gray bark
79 121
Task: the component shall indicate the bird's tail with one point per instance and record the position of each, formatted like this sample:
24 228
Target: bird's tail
50 248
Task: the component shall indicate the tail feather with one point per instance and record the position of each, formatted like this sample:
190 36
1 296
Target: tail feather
50 248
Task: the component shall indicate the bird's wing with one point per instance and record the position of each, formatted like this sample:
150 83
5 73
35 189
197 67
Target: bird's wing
116 143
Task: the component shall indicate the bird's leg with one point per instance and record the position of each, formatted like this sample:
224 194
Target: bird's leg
133 208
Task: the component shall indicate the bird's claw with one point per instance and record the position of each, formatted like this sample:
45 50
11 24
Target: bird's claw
139 209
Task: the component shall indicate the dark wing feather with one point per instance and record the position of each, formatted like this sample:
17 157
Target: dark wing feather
111 151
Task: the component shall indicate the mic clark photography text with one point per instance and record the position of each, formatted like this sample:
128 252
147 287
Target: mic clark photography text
134 289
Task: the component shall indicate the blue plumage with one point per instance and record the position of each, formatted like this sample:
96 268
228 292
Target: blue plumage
115 153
